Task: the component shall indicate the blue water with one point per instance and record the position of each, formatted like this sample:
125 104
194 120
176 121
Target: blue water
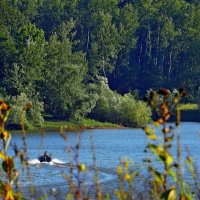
110 145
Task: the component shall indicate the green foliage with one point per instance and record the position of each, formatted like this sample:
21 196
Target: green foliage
26 71
7 47
165 52
133 112
188 106
26 7
32 116
125 110
63 90
10 17
50 15
59 48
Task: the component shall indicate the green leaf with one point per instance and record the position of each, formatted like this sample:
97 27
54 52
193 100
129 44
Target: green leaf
173 174
158 176
152 147
8 165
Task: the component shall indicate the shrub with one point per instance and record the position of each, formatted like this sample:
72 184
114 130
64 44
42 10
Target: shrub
83 105
133 112
115 108
33 111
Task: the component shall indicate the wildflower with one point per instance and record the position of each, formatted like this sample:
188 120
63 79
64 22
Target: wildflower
152 137
156 123
119 170
120 194
176 100
82 167
69 196
4 135
127 177
126 164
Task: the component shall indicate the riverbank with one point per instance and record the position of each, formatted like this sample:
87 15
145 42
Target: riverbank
77 125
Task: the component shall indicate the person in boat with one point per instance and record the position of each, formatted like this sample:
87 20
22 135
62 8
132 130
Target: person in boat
44 158
47 158
45 155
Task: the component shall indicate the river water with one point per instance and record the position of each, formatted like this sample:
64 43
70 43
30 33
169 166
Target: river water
108 145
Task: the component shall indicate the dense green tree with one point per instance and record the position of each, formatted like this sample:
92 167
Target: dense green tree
10 21
120 79
27 68
7 48
162 53
106 34
189 62
27 7
50 16
99 35
10 17
63 78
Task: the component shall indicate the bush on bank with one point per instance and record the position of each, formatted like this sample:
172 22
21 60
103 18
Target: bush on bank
99 103
120 109
29 110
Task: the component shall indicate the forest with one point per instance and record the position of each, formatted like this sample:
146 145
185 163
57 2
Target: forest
72 59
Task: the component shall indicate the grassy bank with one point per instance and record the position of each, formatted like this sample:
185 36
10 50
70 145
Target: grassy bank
83 124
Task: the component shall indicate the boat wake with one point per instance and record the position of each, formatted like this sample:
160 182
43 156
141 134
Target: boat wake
54 161
52 173
33 162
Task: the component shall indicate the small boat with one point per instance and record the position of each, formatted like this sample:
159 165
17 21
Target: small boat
44 158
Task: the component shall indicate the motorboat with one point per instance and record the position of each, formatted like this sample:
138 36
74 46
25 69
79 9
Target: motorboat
44 158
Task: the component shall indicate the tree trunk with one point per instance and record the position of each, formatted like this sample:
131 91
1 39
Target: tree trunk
103 69
140 53
88 39
170 65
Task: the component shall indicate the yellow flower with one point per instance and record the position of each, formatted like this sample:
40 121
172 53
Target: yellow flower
156 123
119 170
147 130
4 135
152 137
82 167
127 177
176 100
70 196
126 165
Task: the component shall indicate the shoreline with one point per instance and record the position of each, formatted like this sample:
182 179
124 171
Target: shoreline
78 126
85 124
61 126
